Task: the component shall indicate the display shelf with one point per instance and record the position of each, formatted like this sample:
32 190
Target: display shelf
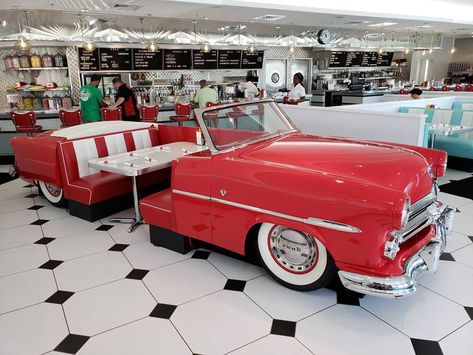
39 90
45 68
378 77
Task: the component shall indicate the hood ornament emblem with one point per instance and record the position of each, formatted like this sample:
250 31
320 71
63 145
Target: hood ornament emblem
223 192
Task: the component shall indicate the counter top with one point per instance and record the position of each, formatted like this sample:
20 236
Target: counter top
358 93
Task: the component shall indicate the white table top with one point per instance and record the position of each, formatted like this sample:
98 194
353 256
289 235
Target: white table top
448 130
145 160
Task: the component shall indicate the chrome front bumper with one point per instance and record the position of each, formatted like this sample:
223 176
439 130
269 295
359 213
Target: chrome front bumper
425 260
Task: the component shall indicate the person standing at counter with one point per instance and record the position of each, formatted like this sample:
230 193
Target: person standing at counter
297 93
126 100
91 100
416 93
205 94
249 89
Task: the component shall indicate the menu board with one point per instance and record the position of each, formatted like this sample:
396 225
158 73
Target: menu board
145 60
370 59
385 59
177 59
202 60
229 59
88 60
338 59
115 59
252 60
354 59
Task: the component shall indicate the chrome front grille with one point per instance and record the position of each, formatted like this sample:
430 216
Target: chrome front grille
419 217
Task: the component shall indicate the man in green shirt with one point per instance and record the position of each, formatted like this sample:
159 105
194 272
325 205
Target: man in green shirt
205 94
91 100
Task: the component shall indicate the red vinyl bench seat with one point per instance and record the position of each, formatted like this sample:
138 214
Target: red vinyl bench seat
157 209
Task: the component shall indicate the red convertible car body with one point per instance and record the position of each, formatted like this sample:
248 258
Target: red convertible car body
309 207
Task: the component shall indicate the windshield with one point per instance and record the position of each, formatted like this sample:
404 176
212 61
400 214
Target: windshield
234 125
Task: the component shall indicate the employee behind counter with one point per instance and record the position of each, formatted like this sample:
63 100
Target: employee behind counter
297 93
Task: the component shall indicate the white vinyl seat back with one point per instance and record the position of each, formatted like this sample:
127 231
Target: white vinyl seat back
85 150
442 116
467 106
467 120
141 139
115 143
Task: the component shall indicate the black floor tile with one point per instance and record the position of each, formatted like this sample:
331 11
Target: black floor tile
283 327
137 274
59 297
44 240
426 347
28 186
447 257
104 227
51 264
235 285
471 237
201 254
31 195
118 247
459 188
348 297
39 222
35 207
469 310
72 343
162 310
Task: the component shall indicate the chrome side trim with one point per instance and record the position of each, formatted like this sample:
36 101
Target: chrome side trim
310 220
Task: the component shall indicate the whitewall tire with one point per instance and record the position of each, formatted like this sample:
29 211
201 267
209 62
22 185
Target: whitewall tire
52 193
293 258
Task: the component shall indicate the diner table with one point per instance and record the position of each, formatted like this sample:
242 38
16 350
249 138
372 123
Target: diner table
143 161
446 130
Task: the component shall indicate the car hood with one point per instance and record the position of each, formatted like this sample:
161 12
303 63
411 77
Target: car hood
370 163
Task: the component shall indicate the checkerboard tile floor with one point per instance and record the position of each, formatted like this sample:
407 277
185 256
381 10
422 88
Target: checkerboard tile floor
72 287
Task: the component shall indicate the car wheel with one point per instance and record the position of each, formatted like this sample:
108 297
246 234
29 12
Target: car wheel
293 258
52 193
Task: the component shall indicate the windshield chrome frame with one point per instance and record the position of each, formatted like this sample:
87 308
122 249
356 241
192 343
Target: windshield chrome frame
199 113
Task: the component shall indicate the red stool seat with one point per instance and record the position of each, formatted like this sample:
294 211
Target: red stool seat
111 115
25 122
149 113
70 118
183 112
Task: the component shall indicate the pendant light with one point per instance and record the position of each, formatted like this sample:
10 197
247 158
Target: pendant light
205 48
251 48
453 49
292 47
87 45
408 42
22 43
431 50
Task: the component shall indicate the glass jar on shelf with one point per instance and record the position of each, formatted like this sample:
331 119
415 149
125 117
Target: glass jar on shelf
15 62
36 61
47 60
8 62
25 61
58 60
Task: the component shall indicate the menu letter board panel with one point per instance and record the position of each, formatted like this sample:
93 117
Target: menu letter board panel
177 59
385 59
202 60
338 59
145 60
354 59
252 60
229 59
370 59
115 59
88 60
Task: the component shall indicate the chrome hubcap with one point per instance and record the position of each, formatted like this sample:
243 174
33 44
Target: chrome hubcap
53 190
293 250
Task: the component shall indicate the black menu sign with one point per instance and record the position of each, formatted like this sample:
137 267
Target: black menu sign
370 59
145 60
88 60
202 60
354 59
338 59
177 59
115 59
385 59
229 59
252 60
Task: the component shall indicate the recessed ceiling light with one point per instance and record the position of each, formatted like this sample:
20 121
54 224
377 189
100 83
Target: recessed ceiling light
357 22
425 25
383 24
269 17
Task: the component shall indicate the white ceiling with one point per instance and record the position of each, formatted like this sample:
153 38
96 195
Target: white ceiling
454 17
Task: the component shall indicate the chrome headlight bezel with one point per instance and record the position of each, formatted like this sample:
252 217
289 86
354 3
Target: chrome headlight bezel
435 188
405 212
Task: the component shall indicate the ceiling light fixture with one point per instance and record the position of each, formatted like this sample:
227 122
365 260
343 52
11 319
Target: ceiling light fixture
269 17
152 47
251 48
383 24
431 50
453 49
408 42
87 44
205 47
292 47
22 43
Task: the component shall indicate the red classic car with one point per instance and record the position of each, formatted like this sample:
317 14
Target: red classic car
307 206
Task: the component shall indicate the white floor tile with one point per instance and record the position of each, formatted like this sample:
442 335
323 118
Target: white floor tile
273 344
453 200
17 218
33 330
230 317
273 298
93 270
79 245
15 204
344 329
25 289
50 212
184 281
147 256
456 241
443 180
463 224
16 193
120 234
22 259
457 174
424 315
452 280
68 226
467 209
128 213
150 336
235 269
464 255
102 308
14 184
460 342
18 236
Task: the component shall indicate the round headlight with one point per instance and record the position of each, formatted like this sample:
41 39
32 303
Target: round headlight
405 212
